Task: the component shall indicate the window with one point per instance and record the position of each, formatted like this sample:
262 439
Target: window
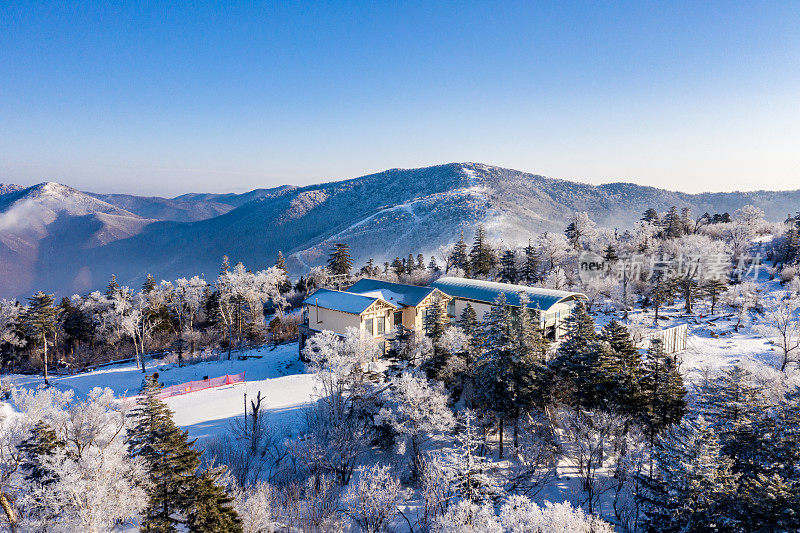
451 308
368 326
398 318
381 325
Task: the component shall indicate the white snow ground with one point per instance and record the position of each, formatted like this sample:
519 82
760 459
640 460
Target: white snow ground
277 374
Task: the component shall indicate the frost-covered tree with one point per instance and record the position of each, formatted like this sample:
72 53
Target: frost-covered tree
693 486
371 502
580 230
781 326
508 267
468 517
521 515
482 257
529 271
417 410
742 297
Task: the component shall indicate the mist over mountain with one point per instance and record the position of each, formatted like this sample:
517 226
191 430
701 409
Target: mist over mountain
59 239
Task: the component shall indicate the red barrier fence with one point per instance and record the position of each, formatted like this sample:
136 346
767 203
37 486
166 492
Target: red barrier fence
194 386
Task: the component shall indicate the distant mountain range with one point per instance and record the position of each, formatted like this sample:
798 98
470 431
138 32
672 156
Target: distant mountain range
59 239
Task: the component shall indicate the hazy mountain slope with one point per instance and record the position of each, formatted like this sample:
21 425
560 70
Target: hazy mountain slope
31 217
381 216
157 208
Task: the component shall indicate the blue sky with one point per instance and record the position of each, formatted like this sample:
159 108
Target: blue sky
164 99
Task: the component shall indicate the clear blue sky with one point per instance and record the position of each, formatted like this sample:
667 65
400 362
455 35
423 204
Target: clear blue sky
164 99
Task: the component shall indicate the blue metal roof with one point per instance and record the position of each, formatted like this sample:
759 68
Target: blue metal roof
488 291
395 293
346 302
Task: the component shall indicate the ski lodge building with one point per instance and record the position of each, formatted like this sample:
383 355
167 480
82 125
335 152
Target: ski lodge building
371 306
375 307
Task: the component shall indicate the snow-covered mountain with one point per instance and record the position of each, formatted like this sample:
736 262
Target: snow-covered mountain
81 239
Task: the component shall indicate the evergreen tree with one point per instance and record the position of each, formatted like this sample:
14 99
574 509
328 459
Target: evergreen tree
149 284
339 261
573 235
285 285
693 485
610 254
687 225
420 262
40 321
651 216
529 273
410 264
459 258
576 364
398 266
169 457
210 507
508 267
495 392
433 266
531 374
112 289
225 266
663 396
671 225
481 256
620 370
714 288
35 451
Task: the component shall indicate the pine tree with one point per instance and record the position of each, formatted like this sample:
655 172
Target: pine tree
285 285
686 221
495 392
713 288
693 485
620 370
40 320
651 216
420 262
169 457
112 289
225 266
577 361
433 266
481 256
435 319
573 235
398 266
663 396
610 254
149 284
410 264
210 506
34 451
339 261
529 273
531 374
459 258
508 267
671 225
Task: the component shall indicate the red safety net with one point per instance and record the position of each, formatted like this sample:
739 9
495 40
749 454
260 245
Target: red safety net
194 386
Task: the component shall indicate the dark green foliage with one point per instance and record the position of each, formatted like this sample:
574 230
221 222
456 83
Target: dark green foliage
482 259
651 216
529 272
693 485
620 370
170 459
458 258
149 284
610 253
41 443
40 322
663 396
209 509
508 267
339 261
280 263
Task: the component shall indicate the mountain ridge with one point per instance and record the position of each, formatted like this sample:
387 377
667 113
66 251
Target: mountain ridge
380 215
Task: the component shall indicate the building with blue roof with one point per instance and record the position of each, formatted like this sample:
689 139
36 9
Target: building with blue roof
550 306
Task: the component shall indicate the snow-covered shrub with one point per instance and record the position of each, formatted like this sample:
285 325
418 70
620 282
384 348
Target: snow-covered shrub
371 502
468 517
520 515
255 506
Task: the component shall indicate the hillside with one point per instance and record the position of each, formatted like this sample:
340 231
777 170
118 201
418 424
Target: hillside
380 215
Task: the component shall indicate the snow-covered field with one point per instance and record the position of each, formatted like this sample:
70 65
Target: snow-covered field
278 374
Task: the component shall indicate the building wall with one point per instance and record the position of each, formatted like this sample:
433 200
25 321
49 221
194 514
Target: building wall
553 319
335 321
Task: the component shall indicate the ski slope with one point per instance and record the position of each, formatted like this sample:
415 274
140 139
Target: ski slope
278 374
